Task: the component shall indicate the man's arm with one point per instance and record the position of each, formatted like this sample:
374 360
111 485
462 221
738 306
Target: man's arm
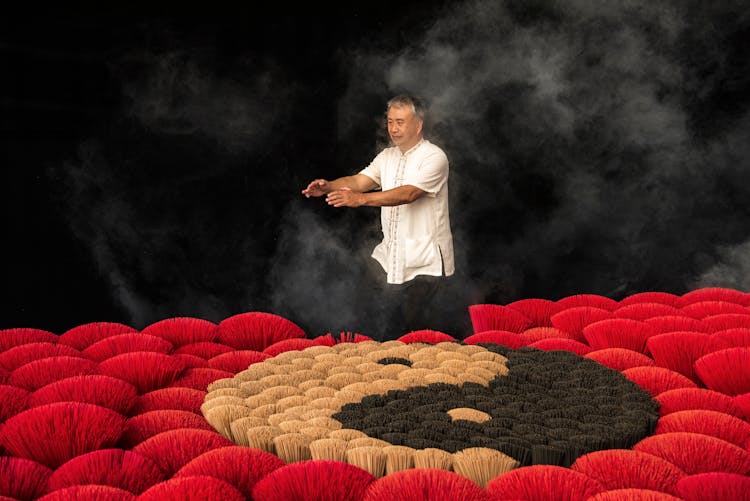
405 194
358 183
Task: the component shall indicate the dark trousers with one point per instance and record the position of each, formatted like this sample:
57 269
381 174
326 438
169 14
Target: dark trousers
401 308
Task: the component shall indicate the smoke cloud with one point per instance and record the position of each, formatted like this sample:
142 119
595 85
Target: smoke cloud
595 147
179 93
170 196
581 157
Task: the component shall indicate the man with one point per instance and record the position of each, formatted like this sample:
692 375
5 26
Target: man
416 252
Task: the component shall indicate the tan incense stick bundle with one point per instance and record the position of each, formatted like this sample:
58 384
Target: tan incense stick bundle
292 425
226 392
436 377
315 412
495 367
310 383
354 360
341 368
361 387
279 417
323 366
264 410
261 437
327 422
307 374
260 400
427 363
452 355
292 447
221 384
489 355
385 385
299 363
298 411
367 367
221 417
239 428
315 351
470 349
332 449
456 363
371 459
481 464
347 434
414 375
469 414
471 378
219 401
279 392
342 379
367 442
278 380
397 458
293 401
433 458
428 353
254 372
250 388
326 403
393 343
315 432
450 371
392 371
481 372
320 392
327 356
350 396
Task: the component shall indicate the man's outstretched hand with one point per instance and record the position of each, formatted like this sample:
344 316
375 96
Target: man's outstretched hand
317 188
345 198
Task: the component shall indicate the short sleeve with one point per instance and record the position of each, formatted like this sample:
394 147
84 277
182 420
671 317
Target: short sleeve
431 174
373 171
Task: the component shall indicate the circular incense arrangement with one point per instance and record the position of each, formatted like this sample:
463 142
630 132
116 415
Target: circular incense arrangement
385 407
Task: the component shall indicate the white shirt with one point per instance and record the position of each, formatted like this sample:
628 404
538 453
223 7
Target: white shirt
417 237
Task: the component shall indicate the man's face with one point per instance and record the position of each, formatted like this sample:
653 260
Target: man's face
404 127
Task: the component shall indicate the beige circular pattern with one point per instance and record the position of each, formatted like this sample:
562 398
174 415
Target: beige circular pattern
284 404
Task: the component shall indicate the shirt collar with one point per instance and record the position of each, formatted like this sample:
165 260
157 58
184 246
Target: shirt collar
411 150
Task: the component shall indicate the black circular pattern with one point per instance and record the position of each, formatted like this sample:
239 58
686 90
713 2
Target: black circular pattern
551 408
395 360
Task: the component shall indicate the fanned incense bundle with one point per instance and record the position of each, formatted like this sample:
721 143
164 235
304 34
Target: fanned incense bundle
261 437
83 336
183 330
292 447
432 458
113 467
425 485
241 467
239 428
221 418
371 459
397 458
481 464
333 449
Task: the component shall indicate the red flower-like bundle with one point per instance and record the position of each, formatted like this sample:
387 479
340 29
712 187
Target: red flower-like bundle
104 411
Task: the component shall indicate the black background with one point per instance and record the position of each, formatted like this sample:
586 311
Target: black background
153 159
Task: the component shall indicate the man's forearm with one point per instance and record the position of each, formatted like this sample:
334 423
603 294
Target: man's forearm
397 196
348 182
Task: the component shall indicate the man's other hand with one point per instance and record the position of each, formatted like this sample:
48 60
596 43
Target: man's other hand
317 188
345 198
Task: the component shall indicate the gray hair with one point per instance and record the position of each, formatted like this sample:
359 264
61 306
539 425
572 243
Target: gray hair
405 100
